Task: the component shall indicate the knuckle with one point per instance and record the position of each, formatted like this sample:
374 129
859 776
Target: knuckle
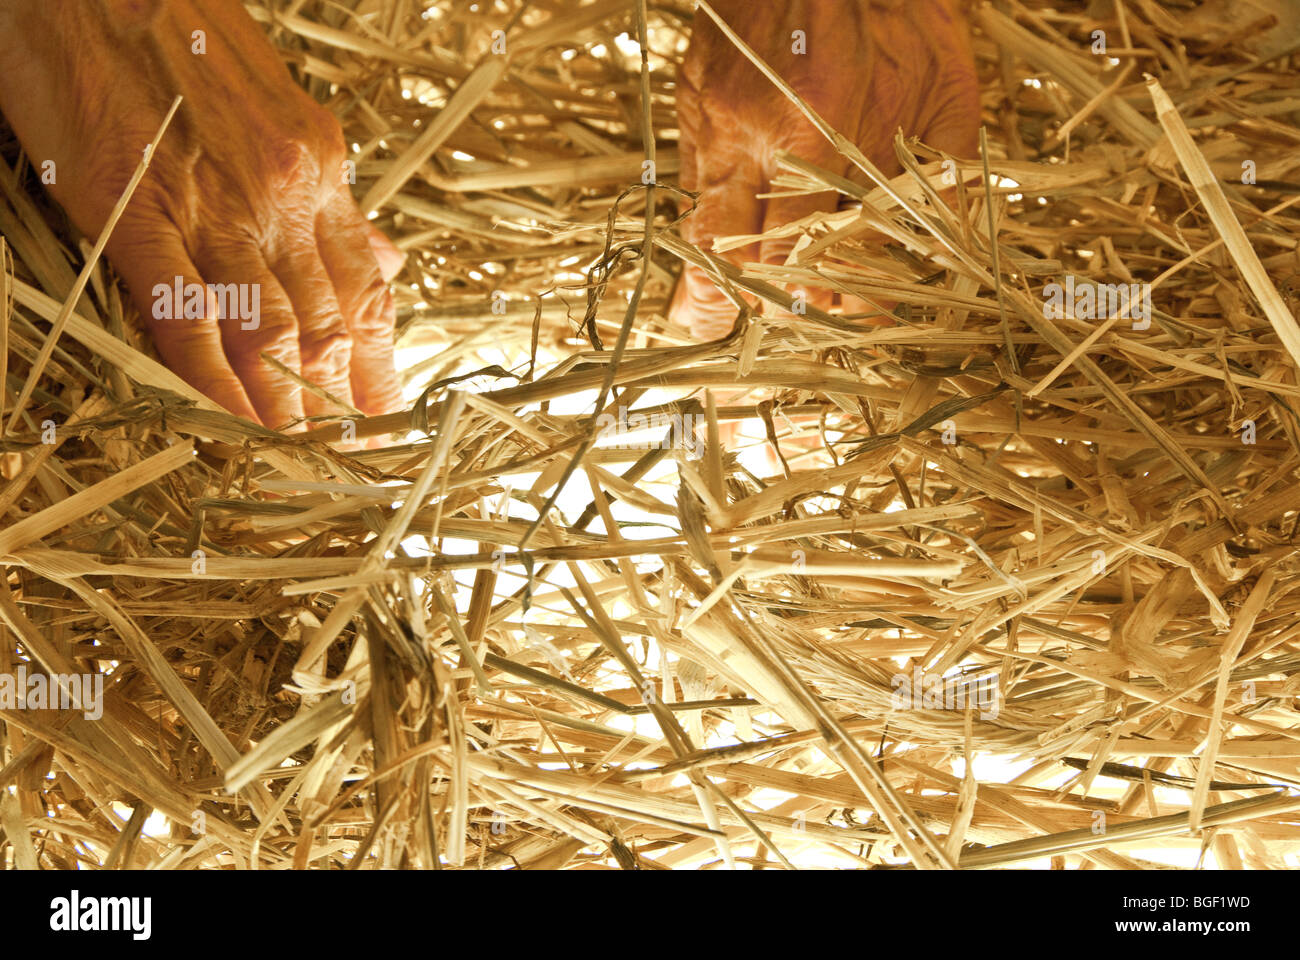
330 347
310 153
294 160
275 331
374 315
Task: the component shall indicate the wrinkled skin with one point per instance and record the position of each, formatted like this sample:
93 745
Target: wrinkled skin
871 67
246 187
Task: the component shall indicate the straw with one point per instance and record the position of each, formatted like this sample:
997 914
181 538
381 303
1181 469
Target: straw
962 582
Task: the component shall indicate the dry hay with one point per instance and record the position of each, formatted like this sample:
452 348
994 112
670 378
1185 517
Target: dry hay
687 664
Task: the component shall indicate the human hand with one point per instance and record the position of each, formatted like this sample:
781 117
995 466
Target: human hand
868 68
245 188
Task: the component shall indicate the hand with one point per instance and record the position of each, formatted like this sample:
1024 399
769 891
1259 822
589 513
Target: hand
869 67
245 188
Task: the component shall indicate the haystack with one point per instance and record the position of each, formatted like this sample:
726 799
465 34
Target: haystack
989 584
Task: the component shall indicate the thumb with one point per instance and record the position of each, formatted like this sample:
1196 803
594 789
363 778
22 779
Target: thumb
702 308
389 256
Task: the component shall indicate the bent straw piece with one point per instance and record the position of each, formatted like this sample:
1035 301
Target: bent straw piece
1228 653
144 370
83 278
616 356
1225 222
1078 841
468 96
150 659
132 362
92 407
93 498
377 557
1067 68
584 171
343 40
306 385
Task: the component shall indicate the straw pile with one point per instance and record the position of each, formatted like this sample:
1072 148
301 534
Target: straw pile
490 644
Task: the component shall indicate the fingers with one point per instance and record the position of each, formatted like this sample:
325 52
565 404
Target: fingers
952 121
786 210
777 250
688 113
879 313
701 307
324 343
717 164
799 138
728 182
698 305
256 317
343 239
163 282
